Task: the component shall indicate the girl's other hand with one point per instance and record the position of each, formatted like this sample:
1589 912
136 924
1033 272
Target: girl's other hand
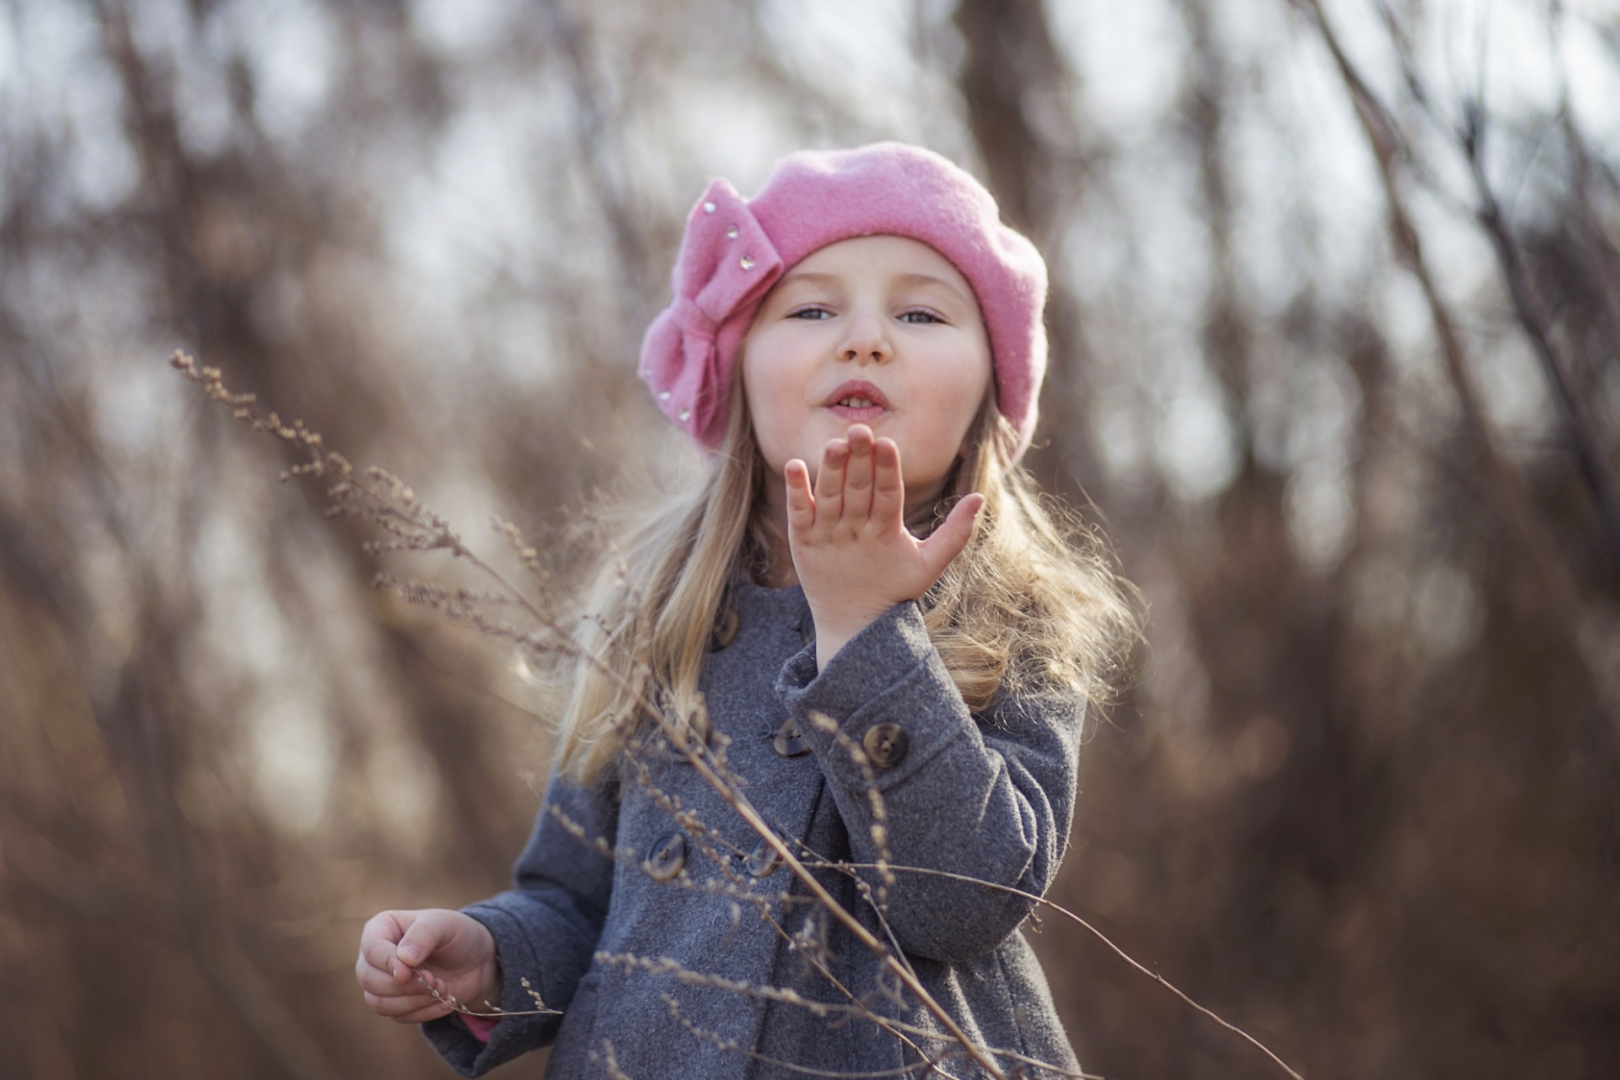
851 549
405 955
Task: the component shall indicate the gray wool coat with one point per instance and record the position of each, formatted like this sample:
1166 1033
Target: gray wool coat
988 797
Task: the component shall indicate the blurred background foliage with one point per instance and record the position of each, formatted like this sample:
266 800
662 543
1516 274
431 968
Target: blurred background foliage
1335 323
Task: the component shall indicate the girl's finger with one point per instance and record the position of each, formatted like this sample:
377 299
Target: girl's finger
801 501
381 981
425 934
403 972
422 1016
951 537
830 482
397 1007
858 475
888 488
381 936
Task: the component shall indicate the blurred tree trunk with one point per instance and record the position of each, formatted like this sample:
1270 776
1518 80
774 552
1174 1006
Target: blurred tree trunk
1020 101
306 378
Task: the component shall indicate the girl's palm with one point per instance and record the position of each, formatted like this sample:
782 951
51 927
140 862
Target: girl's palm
851 549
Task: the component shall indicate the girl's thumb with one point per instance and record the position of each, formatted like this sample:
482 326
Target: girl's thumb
418 943
952 535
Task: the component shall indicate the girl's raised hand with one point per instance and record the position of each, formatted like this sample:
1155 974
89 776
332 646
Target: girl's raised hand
851 549
405 955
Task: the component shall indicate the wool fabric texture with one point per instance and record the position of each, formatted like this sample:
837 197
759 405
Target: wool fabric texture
989 797
734 250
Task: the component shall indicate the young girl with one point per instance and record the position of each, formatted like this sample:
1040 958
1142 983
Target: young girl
859 348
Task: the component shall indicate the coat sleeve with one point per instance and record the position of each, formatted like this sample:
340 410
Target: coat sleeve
545 928
992 802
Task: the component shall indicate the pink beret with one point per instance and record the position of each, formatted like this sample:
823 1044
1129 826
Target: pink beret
734 251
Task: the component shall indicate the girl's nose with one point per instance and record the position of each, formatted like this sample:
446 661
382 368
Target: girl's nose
867 342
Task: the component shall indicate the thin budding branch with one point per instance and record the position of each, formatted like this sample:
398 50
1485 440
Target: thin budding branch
1514 503
1469 134
394 507
1100 936
540 1007
763 902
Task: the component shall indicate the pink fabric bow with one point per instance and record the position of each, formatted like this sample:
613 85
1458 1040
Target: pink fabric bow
726 264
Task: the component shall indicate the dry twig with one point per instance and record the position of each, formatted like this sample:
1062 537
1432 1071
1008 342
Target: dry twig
388 503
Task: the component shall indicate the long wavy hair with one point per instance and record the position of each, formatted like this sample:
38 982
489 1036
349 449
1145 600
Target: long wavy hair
1032 603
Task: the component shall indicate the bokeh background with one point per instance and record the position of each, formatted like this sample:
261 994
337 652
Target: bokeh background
1335 325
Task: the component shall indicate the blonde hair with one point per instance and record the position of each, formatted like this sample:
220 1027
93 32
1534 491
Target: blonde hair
1032 603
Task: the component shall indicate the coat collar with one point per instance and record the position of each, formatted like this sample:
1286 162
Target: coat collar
783 606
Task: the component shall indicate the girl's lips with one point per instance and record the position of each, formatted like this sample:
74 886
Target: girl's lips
857 400
855 414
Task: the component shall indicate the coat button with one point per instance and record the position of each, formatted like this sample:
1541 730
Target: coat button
725 629
885 744
789 742
665 857
696 738
762 860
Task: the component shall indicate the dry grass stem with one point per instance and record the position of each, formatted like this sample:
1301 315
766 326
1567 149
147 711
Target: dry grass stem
493 1012
1098 934
389 504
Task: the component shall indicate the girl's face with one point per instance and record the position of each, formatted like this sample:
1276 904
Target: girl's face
878 330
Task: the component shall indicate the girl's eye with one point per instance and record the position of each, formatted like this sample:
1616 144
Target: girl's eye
812 314
920 316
